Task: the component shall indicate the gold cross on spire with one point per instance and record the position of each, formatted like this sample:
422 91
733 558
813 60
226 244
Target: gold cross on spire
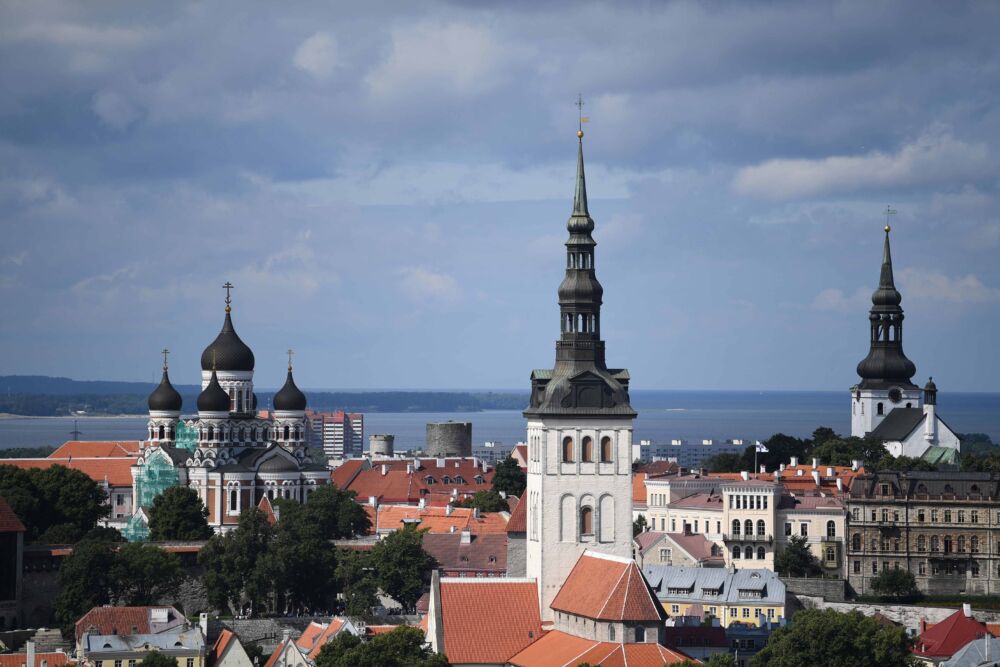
228 286
888 211
165 352
290 353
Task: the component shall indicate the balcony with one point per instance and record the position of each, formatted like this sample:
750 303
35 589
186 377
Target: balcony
739 537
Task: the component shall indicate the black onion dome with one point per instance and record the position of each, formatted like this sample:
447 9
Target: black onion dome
230 352
289 398
213 398
165 398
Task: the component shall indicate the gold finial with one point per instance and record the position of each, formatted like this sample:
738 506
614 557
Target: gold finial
290 353
228 286
888 211
165 353
582 119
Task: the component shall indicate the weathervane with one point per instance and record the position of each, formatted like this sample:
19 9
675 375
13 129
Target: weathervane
228 286
888 211
165 353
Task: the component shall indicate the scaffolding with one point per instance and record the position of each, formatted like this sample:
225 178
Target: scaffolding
155 476
136 530
187 437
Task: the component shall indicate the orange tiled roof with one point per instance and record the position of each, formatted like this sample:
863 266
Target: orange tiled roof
559 649
607 588
221 644
346 472
518 522
409 480
278 650
96 449
329 632
122 620
469 613
639 489
9 523
117 470
19 659
308 638
267 508
437 519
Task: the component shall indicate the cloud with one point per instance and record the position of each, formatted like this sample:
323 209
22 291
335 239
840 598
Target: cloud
114 109
934 157
836 300
936 286
421 285
317 55
452 58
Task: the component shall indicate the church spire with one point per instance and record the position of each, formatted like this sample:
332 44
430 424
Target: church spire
580 197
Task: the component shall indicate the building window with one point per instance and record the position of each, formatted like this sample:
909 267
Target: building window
736 553
748 526
885 515
874 516
921 569
760 553
611 632
804 529
587 450
640 634
748 552
974 516
857 567
884 487
675 609
664 555
974 544
831 529
586 521
190 662
947 516
761 528
606 449
880 408
874 567
921 543
567 452
736 526
788 529
934 516
131 663
746 612
856 542
118 663
920 516
934 543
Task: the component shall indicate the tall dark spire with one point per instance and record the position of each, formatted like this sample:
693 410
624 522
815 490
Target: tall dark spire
580 383
886 365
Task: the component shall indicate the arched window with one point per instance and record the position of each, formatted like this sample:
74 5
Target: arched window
748 527
234 500
286 432
880 409
586 521
736 553
921 543
171 432
606 449
947 544
611 632
856 542
736 526
296 437
587 449
748 552
760 553
831 529
831 555
761 528
567 453
162 432
239 400
211 433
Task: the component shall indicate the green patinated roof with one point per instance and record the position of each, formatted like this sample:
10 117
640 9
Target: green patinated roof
938 455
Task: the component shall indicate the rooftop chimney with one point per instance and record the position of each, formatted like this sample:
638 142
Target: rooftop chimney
409 468
855 464
744 475
440 463
763 469
385 468
967 610
799 472
451 528
777 474
29 660
794 461
829 471
422 503
466 537
781 467
840 484
448 509
373 501
815 474
815 463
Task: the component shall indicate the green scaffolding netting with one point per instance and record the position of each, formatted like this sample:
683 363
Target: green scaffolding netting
136 530
154 478
187 438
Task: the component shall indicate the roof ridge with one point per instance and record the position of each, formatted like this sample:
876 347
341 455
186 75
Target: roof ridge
613 589
575 660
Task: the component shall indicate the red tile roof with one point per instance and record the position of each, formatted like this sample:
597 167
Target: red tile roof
518 522
267 508
944 639
559 649
19 659
639 489
9 523
96 449
328 632
117 471
700 501
646 539
520 454
221 644
346 472
409 480
607 588
488 621
483 553
657 468
122 620
696 544
278 650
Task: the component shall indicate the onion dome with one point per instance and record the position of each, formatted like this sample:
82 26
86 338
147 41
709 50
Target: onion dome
213 398
165 398
228 351
289 398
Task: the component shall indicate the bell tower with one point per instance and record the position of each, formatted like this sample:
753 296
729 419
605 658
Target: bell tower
886 372
579 487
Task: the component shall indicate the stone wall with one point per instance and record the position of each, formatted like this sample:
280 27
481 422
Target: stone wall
516 554
828 589
908 615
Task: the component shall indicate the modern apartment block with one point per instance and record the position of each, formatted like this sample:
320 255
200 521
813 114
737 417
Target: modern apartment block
941 526
340 434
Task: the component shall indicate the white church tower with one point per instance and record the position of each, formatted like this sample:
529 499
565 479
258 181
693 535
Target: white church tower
579 490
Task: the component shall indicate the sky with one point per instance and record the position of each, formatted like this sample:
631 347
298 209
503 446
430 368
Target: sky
387 185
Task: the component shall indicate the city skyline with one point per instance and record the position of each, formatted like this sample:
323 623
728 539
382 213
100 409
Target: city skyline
398 220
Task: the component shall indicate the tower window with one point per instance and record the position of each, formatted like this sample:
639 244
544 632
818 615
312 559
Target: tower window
232 401
567 452
211 433
831 529
587 447
286 433
234 500
586 521
606 449
162 432
880 408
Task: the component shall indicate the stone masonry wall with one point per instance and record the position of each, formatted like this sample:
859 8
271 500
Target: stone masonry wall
908 615
828 589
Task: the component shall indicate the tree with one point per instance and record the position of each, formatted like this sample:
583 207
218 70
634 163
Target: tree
509 478
724 462
842 451
178 514
144 574
780 448
485 501
715 660
905 464
823 434
796 560
157 659
831 638
56 504
358 583
402 565
639 525
305 562
336 513
238 565
895 583
85 580
403 647
103 534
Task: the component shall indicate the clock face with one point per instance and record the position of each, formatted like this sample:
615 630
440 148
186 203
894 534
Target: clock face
895 395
